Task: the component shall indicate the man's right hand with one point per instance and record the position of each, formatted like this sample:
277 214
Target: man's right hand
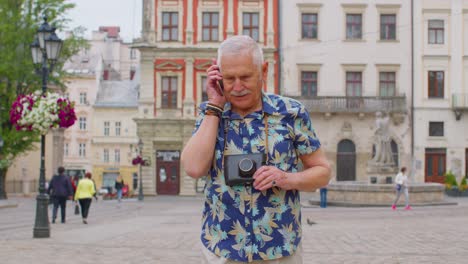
213 90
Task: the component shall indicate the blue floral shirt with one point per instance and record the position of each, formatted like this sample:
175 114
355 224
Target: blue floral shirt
241 223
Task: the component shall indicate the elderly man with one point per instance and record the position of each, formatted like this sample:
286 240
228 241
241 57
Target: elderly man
258 220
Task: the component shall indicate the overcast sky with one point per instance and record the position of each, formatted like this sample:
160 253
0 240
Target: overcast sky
94 13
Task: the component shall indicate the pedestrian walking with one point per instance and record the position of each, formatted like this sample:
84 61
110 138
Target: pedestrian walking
401 186
119 184
251 144
60 189
84 194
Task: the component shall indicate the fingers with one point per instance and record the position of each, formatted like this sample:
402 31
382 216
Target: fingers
267 177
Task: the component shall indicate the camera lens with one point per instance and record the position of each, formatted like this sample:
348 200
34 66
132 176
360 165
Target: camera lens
246 167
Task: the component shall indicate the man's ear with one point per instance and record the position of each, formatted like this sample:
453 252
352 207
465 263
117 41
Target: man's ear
264 71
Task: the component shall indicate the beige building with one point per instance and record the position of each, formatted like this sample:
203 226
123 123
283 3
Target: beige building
441 88
106 58
114 141
346 60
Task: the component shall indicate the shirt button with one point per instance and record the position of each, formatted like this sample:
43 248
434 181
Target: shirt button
248 211
248 233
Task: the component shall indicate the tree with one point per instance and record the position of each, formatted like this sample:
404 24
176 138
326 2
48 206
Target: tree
18 24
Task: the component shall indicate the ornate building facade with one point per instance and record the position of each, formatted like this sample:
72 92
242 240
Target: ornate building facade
179 40
346 60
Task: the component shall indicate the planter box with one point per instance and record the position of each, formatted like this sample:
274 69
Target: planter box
454 192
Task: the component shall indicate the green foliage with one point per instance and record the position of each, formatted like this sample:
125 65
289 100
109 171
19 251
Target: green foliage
463 186
450 180
18 24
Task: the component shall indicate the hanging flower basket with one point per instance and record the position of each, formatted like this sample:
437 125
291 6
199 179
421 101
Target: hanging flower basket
37 112
139 160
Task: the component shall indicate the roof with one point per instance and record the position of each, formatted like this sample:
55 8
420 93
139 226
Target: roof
121 94
112 32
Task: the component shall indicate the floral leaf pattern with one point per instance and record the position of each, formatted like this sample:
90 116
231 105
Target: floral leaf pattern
239 222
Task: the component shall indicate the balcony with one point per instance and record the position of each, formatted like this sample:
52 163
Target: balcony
459 104
354 104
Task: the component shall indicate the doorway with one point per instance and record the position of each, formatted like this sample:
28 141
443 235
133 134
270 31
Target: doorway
346 161
435 165
168 172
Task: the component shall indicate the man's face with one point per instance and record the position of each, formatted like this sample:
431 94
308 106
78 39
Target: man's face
243 82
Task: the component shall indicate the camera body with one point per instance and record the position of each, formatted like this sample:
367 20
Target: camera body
240 168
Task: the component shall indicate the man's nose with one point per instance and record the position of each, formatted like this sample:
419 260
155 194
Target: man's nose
237 85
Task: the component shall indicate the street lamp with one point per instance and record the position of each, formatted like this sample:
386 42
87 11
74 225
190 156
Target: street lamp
45 50
140 185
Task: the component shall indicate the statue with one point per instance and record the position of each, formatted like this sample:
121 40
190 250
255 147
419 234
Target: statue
383 150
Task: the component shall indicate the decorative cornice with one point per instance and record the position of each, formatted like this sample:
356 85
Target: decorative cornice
168 65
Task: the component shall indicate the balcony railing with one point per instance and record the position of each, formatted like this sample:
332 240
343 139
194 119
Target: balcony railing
460 101
354 104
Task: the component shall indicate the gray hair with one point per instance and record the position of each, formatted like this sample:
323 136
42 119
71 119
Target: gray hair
241 45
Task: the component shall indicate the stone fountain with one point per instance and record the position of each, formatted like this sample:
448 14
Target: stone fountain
379 189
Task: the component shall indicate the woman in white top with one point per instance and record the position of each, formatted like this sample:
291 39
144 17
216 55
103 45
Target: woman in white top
401 181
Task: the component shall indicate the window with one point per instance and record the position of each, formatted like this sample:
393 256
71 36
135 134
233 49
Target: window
353 26
170 26
83 98
210 26
436 129
82 150
436 31
387 84
436 84
65 149
309 26
309 83
353 83
250 26
82 121
106 155
169 92
133 54
117 128
203 83
387 27
117 155
106 128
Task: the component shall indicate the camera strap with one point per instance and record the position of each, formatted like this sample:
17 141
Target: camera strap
226 127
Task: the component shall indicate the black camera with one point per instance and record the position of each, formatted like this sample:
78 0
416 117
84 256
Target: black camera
240 168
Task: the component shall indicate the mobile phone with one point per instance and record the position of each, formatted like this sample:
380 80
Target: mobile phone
221 85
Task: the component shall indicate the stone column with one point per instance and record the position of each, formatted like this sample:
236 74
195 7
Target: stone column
57 148
189 29
271 76
270 28
230 20
188 103
148 23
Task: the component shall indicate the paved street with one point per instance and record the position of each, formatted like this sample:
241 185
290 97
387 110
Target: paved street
166 230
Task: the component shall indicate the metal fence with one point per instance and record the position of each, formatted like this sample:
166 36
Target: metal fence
354 104
24 187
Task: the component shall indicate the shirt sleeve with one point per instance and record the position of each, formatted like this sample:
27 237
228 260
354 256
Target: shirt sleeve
305 139
201 116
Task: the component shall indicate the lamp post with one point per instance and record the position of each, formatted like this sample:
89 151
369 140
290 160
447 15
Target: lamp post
45 50
2 177
140 184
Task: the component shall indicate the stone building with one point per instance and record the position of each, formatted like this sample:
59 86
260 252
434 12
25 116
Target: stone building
179 40
346 60
441 88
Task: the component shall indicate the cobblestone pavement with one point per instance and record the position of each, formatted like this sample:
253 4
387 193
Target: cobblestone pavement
166 230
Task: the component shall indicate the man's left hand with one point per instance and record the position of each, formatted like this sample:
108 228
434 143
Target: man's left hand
269 176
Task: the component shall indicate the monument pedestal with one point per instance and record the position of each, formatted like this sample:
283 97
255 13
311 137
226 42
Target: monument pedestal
381 173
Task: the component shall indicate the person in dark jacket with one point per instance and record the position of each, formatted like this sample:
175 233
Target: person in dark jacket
60 189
